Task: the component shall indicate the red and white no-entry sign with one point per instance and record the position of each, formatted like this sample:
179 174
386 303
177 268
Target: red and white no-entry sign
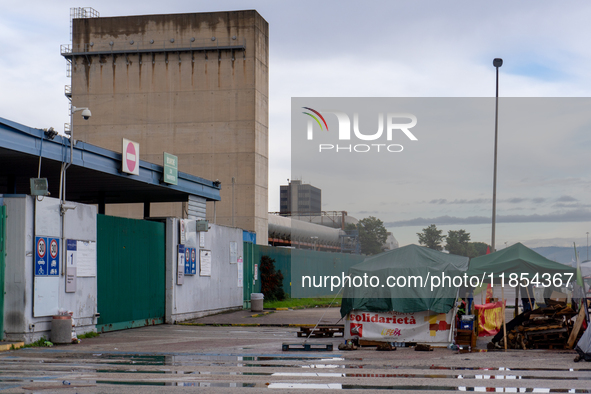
130 157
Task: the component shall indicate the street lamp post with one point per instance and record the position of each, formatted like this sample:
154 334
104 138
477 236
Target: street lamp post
86 114
497 62
587 245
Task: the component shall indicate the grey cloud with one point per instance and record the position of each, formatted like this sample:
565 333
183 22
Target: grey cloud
460 201
571 205
566 199
581 215
513 200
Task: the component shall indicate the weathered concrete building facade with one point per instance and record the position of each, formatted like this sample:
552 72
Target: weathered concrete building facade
194 85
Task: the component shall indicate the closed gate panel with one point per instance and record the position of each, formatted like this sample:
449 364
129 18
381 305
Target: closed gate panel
2 262
130 273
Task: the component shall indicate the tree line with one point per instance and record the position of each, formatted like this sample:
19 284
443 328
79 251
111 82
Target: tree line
373 234
456 242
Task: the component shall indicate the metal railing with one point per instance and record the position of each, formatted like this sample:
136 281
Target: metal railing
81 12
170 45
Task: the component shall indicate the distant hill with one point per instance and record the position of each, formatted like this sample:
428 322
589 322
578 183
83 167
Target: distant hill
561 254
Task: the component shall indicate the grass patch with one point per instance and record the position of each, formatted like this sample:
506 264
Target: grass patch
90 334
300 303
41 342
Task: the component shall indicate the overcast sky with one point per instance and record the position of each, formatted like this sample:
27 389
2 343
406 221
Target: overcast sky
378 49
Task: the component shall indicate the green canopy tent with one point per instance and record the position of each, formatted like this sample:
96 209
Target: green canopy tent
520 260
510 266
417 295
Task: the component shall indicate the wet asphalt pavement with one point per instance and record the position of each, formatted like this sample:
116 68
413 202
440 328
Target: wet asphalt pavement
180 358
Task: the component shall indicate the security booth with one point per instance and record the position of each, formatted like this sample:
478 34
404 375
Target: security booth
62 255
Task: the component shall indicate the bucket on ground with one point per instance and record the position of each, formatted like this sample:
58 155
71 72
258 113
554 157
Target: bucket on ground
61 329
256 302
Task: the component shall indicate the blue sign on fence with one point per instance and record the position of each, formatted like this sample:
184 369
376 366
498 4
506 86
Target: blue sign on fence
187 261
47 256
193 261
53 257
190 261
41 256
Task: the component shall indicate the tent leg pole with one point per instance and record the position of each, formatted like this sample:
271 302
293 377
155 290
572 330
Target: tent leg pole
516 310
504 322
531 305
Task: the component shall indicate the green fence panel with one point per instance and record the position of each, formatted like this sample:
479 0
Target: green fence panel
296 263
282 257
318 265
130 272
2 266
247 273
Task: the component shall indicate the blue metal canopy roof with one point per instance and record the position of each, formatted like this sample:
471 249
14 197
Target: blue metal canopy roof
95 175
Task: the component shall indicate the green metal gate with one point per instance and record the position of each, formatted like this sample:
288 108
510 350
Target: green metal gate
130 273
2 265
248 282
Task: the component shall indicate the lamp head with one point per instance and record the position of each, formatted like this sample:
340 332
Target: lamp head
497 62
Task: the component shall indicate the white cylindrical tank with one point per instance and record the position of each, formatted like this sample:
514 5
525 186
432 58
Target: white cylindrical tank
297 230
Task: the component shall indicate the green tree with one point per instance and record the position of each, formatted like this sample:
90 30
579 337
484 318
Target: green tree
458 243
271 280
480 248
431 237
372 234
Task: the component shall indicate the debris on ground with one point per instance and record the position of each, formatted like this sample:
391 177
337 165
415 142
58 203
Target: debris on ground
543 328
423 348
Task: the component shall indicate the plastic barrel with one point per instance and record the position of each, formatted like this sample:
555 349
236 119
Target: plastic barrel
256 302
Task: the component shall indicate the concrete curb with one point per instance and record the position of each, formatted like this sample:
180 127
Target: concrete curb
4 347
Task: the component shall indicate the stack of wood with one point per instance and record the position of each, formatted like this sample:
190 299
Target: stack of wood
542 328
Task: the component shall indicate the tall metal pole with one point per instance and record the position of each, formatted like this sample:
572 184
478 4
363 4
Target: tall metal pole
587 245
497 63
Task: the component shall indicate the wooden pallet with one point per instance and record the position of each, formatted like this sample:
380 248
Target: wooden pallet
465 337
307 347
321 331
553 338
543 328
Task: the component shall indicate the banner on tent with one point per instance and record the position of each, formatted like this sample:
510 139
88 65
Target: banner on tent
421 327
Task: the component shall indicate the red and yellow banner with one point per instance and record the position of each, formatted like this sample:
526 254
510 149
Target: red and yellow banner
490 318
420 327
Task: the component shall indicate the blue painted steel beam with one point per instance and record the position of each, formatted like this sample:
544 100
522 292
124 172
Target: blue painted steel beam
31 141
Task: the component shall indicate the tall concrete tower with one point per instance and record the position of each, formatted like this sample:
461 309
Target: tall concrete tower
194 85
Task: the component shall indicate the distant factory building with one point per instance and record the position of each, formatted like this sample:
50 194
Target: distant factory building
298 198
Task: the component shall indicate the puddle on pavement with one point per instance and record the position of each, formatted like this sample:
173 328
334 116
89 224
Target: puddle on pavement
339 386
345 375
283 362
185 384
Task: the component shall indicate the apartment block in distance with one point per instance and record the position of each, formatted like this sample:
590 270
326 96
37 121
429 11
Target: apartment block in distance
194 85
298 199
